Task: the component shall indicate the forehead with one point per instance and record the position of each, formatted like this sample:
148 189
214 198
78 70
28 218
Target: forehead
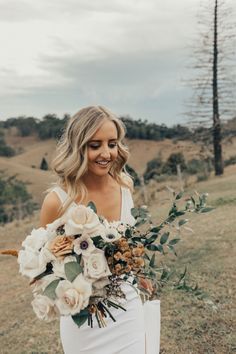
107 131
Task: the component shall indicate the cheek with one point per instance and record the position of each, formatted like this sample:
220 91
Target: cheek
92 155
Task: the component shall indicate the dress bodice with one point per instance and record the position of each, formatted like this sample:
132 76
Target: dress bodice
126 203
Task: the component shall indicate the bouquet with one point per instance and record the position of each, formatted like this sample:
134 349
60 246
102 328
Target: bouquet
77 264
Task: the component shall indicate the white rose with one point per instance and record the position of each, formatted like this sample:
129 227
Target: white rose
95 265
83 245
58 266
44 308
79 218
30 264
36 239
73 297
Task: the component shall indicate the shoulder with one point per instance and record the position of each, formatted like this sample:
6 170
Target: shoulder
128 181
50 209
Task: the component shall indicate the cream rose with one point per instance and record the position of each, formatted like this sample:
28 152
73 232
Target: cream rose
73 297
30 263
81 218
36 239
95 265
44 308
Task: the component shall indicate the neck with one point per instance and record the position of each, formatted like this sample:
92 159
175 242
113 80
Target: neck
95 182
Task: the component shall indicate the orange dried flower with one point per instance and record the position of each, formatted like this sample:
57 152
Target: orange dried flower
62 246
118 256
138 262
118 269
128 268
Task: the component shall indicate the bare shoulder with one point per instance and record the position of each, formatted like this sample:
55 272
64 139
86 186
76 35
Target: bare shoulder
128 180
50 210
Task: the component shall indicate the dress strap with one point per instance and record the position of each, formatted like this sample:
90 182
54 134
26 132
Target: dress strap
62 195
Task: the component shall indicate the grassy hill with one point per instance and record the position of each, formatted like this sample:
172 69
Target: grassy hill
188 325
31 151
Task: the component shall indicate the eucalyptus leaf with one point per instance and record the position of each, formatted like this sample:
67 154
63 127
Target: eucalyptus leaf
152 261
146 256
179 195
151 239
50 290
72 270
156 229
152 247
172 249
164 238
183 221
206 209
174 241
81 317
92 206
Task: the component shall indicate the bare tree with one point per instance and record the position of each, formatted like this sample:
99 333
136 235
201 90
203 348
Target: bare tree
213 85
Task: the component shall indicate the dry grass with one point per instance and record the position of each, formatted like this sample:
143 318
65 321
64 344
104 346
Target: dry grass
189 326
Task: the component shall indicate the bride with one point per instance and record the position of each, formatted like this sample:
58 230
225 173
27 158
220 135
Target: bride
89 164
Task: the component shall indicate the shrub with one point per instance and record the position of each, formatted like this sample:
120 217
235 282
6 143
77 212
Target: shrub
230 161
44 164
134 174
170 166
5 150
153 169
15 201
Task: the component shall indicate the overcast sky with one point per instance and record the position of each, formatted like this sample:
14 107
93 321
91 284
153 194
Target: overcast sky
129 55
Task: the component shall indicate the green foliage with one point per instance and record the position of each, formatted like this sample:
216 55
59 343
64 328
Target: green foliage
170 166
164 237
141 129
50 290
196 166
51 127
15 201
72 270
81 317
5 150
153 169
44 164
134 174
230 161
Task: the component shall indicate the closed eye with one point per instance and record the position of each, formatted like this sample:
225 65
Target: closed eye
112 146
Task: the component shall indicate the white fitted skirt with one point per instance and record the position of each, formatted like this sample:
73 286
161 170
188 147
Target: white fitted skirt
125 336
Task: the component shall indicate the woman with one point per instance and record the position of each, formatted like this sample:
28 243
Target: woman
89 163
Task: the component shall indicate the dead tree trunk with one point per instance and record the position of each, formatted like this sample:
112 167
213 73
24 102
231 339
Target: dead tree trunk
219 169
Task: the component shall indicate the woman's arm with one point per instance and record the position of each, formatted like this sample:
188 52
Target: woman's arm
50 210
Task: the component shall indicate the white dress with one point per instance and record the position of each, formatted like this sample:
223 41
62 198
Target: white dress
127 334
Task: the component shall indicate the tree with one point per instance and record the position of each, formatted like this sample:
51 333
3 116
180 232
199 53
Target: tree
170 166
213 86
44 164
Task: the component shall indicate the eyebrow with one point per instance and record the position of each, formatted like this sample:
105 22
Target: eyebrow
98 141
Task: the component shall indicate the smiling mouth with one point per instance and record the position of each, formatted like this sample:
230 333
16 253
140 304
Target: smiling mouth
103 163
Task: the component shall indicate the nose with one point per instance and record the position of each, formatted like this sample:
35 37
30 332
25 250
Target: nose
105 153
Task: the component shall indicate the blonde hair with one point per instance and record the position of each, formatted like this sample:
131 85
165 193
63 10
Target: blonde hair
71 161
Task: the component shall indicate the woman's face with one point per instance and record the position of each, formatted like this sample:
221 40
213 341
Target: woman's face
103 149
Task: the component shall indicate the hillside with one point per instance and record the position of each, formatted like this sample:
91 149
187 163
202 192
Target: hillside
26 163
188 325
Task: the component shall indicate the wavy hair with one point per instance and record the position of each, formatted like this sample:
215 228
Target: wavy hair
71 161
